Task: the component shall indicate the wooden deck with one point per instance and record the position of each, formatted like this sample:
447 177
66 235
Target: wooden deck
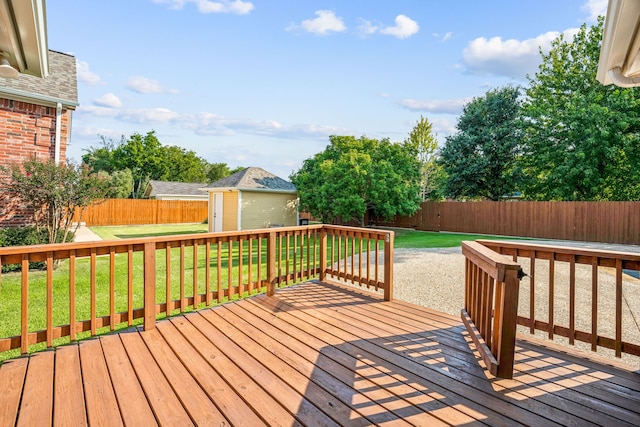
315 355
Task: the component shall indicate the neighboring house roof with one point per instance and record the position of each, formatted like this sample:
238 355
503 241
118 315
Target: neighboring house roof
168 188
253 178
60 85
619 61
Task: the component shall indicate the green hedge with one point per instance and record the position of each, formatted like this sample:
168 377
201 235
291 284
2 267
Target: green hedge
21 236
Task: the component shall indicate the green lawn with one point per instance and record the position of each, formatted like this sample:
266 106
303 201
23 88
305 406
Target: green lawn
429 239
132 231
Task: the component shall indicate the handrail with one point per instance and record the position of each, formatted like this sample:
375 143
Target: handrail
109 284
491 304
555 257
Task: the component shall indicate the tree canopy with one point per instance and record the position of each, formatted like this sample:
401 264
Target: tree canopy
581 139
480 159
355 175
146 158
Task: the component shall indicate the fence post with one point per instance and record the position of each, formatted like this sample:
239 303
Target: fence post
388 266
271 264
323 254
149 286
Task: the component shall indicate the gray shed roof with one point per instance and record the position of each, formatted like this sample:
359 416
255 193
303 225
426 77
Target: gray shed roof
254 179
61 85
168 188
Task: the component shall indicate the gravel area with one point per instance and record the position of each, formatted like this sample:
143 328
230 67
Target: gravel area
434 278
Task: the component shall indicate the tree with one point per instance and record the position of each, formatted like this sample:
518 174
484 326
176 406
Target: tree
54 192
581 139
480 159
353 176
121 183
425 143
217 171
146 158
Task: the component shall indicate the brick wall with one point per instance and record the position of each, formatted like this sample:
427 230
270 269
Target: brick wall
27 130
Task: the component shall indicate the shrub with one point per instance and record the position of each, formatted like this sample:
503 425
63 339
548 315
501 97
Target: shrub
25 236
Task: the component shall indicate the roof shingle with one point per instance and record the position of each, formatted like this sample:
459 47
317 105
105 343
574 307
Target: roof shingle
254 178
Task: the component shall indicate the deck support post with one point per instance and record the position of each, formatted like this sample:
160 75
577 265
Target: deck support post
323 255
149 286
271 264
388 267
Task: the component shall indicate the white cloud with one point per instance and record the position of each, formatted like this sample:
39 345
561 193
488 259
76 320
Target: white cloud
325 22
449 106
595 8
108 100
442 126
143 84
206 123
87 76
443 37
405 27
512 58
237 7
367 28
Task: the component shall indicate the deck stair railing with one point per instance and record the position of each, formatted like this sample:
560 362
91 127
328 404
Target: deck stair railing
90 288
492 283
573 308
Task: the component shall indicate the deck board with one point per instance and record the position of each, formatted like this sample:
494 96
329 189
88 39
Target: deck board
313 355
69 407
36 406
126 386
12 375
100 398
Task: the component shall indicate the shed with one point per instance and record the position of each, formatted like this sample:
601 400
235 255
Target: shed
251 199
168 190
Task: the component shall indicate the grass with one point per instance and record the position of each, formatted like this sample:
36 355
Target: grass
134 231
430 239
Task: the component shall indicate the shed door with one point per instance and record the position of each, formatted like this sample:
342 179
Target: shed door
217 212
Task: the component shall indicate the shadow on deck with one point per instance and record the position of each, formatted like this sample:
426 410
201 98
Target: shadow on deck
315 354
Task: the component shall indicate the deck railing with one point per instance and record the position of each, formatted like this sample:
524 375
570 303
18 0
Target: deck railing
96 287
492 284
573 307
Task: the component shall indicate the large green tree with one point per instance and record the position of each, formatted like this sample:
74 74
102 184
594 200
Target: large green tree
581 139
353 176
479 160
147 158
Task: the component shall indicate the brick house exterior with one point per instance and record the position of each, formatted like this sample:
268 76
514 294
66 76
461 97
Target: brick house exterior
30 110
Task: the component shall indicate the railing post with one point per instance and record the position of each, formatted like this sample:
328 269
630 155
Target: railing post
271 264
388 267
507 324
323 255
149 286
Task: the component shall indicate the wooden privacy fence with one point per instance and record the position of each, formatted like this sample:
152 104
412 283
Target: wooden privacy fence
143 211
104 285
607 222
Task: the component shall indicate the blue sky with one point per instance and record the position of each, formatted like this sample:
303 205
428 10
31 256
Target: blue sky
264 83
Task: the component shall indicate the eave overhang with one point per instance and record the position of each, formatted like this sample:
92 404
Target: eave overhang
23 35
619 61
